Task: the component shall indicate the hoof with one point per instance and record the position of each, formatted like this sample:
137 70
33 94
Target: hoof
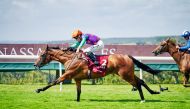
134 89
37 91
186 85
142 101
155 92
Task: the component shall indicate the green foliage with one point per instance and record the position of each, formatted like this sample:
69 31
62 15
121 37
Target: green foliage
113 79
173 40
168 77
165 77
30 77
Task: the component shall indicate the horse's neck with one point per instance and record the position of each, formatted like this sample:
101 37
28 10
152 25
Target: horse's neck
61 56
174 53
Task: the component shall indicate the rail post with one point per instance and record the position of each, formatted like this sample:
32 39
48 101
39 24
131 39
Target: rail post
141 76
60 73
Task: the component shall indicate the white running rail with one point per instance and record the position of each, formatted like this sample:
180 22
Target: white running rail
18 56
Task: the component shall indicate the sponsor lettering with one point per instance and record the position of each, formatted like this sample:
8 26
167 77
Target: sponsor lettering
108 51
20 51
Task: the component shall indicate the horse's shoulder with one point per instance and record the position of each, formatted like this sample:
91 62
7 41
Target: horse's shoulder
186 56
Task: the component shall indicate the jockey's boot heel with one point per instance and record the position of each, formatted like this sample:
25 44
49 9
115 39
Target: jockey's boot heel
96 63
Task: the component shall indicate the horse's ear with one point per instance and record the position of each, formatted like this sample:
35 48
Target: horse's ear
168 39
64 49
57 47
47 47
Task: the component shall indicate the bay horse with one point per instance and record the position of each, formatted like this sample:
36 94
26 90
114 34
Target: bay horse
77 68
182 59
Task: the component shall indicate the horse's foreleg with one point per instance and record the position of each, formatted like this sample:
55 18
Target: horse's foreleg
78 86
60 79
46 87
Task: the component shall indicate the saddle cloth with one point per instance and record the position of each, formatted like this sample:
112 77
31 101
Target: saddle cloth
101 68
103 61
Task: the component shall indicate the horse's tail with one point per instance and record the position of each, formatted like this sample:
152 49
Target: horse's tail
143 66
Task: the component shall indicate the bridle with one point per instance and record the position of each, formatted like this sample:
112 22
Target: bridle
161 48
44 56
174 52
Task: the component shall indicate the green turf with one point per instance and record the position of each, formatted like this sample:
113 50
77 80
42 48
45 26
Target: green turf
92 97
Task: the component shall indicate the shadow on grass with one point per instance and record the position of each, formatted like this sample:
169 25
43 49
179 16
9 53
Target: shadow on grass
133 100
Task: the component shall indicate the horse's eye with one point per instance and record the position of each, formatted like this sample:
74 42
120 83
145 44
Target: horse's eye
162 44
43 55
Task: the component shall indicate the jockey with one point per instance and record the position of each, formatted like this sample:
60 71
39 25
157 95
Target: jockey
93 40
186 35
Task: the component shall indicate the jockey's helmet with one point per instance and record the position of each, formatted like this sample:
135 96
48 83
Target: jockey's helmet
76 33
186 34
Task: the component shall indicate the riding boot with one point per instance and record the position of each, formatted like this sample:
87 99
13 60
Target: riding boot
96 68
93 58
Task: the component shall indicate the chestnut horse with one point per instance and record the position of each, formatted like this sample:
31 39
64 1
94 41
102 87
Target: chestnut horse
77 68
182 59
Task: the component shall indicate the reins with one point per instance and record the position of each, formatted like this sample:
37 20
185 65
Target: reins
72 60
65 52
180 54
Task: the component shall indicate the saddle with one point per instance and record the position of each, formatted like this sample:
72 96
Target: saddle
101 67
102 60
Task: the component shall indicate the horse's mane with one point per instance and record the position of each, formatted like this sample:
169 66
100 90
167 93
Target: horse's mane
63 49
57 47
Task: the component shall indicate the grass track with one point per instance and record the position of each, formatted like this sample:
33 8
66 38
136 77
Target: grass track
92 97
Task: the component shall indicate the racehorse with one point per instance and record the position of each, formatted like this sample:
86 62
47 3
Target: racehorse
77 68
182 59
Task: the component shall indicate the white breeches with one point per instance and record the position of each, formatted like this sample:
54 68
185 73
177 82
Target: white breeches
97 47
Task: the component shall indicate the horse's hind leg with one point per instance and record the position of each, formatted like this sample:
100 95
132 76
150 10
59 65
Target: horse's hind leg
137 85
146 86
139 88
130 77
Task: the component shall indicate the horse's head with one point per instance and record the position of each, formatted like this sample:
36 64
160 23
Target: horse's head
43 58
162 47
53 53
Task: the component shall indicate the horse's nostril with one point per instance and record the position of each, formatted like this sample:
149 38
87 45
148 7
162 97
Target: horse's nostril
153 52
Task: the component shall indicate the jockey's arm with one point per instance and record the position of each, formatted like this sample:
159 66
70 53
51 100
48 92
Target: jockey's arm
186 47
75 45
82 43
